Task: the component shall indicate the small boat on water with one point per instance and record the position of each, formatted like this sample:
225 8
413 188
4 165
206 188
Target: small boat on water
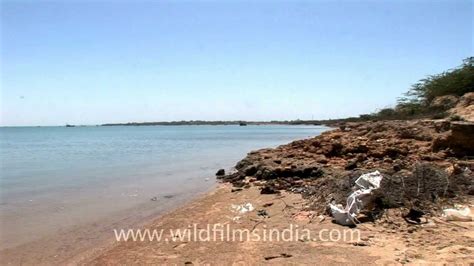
67 125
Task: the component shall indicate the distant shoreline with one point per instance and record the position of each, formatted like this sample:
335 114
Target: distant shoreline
200 123
327 122
216 123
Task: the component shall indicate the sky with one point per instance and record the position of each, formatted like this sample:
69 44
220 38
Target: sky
94 62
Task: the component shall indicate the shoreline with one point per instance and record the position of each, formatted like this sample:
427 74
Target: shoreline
382 241
281 195
126 186
377 243
111 243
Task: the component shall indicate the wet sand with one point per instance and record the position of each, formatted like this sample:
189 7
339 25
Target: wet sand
86 240
384 242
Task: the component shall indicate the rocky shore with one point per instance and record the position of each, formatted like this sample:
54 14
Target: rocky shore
426 164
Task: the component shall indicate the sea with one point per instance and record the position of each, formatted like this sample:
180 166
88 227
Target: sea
55 179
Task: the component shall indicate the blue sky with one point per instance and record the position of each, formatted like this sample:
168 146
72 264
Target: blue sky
92 62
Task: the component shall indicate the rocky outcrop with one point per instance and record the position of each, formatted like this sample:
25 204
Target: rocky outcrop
464 108
445 102
459 140
406 152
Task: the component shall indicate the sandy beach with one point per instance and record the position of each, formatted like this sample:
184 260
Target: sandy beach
379 242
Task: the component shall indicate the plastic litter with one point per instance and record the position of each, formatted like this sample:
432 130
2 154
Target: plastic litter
247 207
357 200
370 180
462 215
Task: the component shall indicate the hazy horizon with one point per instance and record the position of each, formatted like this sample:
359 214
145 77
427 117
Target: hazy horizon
88 63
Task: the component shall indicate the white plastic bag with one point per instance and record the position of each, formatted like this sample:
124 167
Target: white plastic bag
370 180
357 200
247 207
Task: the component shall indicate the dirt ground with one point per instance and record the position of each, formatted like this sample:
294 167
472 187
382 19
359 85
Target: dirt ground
388 241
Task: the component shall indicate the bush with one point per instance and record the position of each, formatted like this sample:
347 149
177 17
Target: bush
439 115
456 118
417 102
457 81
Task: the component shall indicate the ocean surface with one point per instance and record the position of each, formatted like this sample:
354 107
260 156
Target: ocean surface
56 178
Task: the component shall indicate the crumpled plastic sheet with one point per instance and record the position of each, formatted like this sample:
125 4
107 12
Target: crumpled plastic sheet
357 200
243 208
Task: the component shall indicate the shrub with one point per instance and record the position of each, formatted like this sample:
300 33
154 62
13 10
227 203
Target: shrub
457 81
456 118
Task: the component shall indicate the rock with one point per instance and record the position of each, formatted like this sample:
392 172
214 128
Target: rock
442 126
356 148
269 190
322 160
465 107
394 152
352 164
317 172
444 102
265 174
360 244
250 170
325 167
321 218
220 172
460 139
397 167
334 149
411 254
463 136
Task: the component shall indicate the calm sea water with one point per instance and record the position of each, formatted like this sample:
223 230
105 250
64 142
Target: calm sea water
54 178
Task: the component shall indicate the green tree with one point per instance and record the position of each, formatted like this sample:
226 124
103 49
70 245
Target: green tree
457 81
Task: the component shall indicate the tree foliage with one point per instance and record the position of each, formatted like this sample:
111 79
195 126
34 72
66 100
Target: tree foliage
416 103
457 81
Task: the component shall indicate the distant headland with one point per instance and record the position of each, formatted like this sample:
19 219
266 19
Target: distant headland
234 122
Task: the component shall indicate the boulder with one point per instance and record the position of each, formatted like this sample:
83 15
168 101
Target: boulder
352 164
333 149
462 135
250 170
442 126
460 139
465 107
269 190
